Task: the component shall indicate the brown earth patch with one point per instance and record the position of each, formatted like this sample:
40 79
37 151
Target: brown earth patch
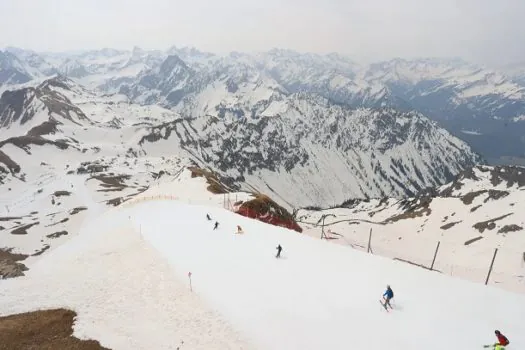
47 127
9 218
11 164
61 193
10 266
58 222
57 234
469 197
473 240
41 251
22 230
495 195
449 225
43 330
24 141
473 209
510 228
116 201
214 184
76 210
112 182
489 224
419 211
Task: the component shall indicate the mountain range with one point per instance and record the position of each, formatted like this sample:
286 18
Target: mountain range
484 107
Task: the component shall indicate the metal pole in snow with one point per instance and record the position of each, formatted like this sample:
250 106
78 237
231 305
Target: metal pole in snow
435 254
369 240
189 276
491 265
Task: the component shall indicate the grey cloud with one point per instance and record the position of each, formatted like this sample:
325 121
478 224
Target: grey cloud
479 30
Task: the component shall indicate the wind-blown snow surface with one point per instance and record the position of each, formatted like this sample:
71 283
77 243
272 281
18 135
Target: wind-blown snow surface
317 296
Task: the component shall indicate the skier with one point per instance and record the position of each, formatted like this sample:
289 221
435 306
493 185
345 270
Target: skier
239 230
208 217
502 341
216 225
279 248
388 295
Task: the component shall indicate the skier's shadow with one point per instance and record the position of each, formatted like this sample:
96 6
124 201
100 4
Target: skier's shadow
397 306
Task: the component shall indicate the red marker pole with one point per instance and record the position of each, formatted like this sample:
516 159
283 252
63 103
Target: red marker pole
189 276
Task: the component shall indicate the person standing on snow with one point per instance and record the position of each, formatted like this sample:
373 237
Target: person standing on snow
216 225
279 248
502 341
208 217
388 295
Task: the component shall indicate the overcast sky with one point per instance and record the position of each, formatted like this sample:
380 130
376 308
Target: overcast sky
484 31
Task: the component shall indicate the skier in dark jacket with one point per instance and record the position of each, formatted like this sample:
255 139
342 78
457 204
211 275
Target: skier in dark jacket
208 217
388 295
216 225
279 248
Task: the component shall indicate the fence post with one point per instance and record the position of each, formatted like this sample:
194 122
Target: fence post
491 265
435 255
369 241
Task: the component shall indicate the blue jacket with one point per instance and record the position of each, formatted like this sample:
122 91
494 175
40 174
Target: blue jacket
389 293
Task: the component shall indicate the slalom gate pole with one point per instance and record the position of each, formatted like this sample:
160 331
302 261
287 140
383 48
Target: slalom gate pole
435 255
491 265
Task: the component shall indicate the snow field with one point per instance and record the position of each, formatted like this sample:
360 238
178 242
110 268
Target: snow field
125 294
321 295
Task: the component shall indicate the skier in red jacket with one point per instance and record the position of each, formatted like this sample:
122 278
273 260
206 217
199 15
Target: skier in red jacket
502 340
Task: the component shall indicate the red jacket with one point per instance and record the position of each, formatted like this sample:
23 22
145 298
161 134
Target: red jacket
502 340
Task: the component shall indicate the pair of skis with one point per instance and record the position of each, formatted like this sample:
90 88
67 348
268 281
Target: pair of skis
384 305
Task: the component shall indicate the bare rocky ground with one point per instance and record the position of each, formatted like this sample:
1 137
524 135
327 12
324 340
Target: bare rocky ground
42 330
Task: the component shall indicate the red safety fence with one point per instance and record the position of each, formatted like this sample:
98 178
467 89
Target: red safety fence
269 218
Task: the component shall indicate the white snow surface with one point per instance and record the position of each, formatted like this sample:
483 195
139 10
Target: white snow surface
126 275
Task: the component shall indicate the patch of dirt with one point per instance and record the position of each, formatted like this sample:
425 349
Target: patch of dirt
214 184
418 210
473 240
116 201
449 225
41 251
57 234
44 329
47 127
76 210
25 141
58 222
469 197
510 228
11 164
9 218
87 167
10 266
61 193
22 230
473 209
495 195
112 182
489 224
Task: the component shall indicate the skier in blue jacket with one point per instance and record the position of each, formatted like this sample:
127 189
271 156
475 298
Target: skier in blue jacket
388 295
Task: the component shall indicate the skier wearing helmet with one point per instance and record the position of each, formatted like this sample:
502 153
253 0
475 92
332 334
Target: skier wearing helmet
502 341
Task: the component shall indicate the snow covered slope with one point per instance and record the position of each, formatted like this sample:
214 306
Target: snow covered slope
261 302
480 211
249 130
480 106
